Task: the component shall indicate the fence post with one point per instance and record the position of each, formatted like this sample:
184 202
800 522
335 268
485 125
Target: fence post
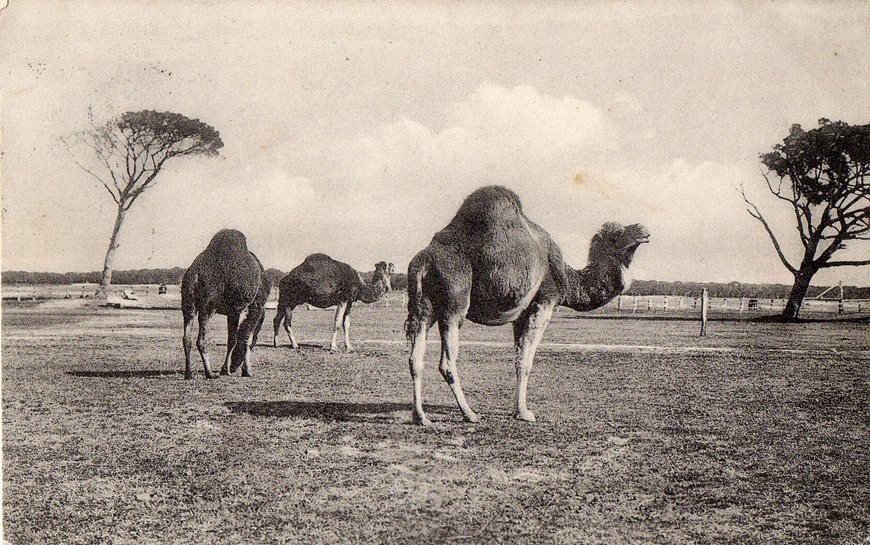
840 305
649 302
741 304
618 303
634 306
704 303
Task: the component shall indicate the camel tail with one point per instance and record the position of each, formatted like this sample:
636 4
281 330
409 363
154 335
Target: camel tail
416 272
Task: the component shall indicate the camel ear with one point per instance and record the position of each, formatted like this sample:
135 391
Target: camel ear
612 229
390 268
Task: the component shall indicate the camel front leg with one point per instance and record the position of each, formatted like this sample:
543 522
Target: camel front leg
417 363
339 317
345 325
187 342
449 354
232 329
528 331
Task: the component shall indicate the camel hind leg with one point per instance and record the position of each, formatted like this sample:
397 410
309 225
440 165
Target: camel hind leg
285 316
280 315
232 329
241 356
528 331
449 354
345 325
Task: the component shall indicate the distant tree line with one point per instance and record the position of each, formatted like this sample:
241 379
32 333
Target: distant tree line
738 289
400 283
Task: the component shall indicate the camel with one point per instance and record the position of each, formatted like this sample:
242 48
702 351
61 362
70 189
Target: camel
494 266
226 278
323 282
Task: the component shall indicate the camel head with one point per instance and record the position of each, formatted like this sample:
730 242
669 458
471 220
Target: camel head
618 242
383 270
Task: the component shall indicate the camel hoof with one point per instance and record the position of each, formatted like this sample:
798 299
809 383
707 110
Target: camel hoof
526 416
188 376
246 374
472 418
211 376
350 350
224 371
422 421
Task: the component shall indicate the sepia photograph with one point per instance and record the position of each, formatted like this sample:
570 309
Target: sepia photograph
439 273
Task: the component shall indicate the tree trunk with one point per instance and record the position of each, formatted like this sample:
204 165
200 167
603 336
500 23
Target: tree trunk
798 291
110 253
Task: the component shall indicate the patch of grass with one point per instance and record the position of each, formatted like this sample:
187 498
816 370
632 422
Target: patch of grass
105 443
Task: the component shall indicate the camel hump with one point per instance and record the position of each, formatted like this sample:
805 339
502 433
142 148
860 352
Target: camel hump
492 204
488 210
318 257
227 239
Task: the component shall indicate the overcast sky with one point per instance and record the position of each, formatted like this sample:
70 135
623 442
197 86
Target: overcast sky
357 129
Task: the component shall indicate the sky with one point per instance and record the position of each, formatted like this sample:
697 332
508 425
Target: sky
356 129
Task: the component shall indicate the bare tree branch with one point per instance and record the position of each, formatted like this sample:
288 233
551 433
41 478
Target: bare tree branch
846 263
756 213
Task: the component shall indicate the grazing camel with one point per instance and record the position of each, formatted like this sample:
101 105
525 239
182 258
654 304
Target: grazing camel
323 282
226 279
493 265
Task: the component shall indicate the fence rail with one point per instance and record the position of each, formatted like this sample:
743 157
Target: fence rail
624 304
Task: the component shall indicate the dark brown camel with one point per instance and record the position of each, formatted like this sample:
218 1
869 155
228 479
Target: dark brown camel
225 279
323 282
493 265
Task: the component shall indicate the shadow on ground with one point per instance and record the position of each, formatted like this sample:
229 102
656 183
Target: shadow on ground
332 411
126 374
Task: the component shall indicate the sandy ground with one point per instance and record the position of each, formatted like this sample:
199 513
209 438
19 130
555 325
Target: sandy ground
645 434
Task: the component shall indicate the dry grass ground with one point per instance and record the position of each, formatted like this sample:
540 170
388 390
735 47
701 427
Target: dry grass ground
646 434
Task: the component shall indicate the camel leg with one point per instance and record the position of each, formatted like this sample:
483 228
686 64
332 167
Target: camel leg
345 325
528 331
187 342
339 317
276 324
201 341
288 325
259 327
449 353
245 339
416 363
232 329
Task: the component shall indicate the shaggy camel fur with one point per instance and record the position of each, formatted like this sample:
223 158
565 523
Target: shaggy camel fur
323 282
225 279
493 265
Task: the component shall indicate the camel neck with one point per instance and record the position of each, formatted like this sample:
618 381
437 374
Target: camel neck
593 286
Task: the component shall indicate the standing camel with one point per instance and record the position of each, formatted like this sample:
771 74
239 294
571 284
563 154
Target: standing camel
323 282
226 278
493 265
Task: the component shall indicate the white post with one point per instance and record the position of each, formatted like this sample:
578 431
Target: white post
840 305
704 304
666 304
634 306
